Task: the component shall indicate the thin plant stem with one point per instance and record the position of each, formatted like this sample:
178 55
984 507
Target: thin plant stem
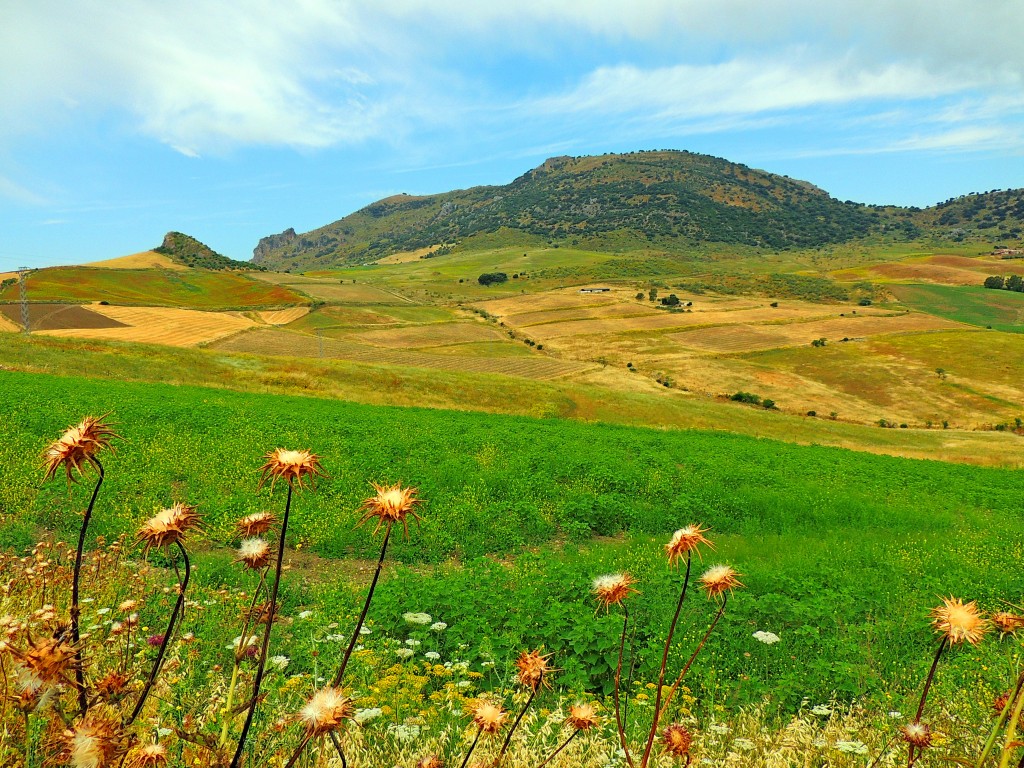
1011 733
271 611
76 610
155 671
664 662
1000 721
700 645
465 760
243 643
563 745
512 730
298 750
337 746
931 676
366 608
620 725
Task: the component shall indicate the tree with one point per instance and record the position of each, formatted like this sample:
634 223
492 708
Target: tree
995 281
941 373
1015 283
489 278
639 296
652 294
671 300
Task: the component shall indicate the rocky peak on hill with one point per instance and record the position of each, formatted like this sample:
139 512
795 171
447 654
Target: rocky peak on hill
186 250
271 243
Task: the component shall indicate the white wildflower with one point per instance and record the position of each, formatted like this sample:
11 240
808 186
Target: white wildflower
405 732
366 715
417 618
305 614
432 655
768 638
824 710
404 653
438 626
280 662
852 747
412 642
745 744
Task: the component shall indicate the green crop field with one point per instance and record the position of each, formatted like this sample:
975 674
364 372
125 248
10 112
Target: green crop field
841 553
194 289
1000 310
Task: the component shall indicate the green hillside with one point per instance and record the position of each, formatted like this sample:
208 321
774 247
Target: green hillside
186 250
670 200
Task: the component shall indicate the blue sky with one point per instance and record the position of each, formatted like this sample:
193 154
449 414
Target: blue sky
123 119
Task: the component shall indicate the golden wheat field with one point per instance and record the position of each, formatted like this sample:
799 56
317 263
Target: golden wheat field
160 325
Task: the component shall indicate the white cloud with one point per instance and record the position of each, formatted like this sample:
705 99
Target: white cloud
206 75
13 191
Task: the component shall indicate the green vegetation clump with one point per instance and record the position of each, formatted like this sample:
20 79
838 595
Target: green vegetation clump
492 278
192 253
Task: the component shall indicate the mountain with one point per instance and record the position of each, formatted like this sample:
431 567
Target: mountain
666 199
186 250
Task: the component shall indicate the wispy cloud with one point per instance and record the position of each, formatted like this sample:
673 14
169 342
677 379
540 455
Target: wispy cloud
19 194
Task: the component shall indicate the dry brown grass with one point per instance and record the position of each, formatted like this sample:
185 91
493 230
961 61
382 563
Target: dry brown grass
435 334
282 316
142 260
406 256
161 325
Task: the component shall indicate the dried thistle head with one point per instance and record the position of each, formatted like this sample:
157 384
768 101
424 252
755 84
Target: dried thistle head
1007 623
532 668
676 740
294 467
686 540
96 742
488 717
1000 702
256 524
168 526
254 554
113 686
917 734
431 761
326 711
391 504
613 588
718 579
77 447
49 660
960 622
582 717
149 756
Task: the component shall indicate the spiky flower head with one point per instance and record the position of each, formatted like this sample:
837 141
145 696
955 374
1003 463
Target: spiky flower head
960 622
686 540
613 588
168 526
96 742
150 756
718 579
391 504
326 711
1007 623
582 717
488 717
256 524
291 466
254 553
49 659
676 740
78 447
532 668
113 686
917 734
431 761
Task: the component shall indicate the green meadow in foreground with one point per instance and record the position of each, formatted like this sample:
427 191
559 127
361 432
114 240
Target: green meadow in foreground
842 553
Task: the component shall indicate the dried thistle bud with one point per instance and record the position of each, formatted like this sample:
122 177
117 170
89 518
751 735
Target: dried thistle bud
917 734
149 756
431 761
676 740
254 554
488 717
719 579
50 659
686 540
1000 702
1007 623
291 466
256 524
326 711
582 717
532 668
391 504
96 742
613 588
169 526
77 447
112 686
959 622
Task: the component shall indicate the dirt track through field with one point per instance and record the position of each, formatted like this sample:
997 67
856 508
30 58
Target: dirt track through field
274 342
161 325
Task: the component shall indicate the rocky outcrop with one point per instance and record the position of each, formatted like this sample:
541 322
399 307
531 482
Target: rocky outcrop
271 243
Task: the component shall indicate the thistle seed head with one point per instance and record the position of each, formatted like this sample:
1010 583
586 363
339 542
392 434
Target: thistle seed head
686 540
293 467
719 579
391 504
77 447
959 622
